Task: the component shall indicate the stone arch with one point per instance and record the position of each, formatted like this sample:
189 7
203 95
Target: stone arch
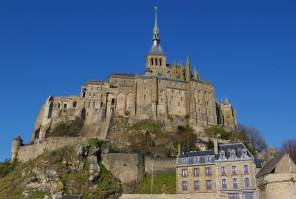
130 103
120 104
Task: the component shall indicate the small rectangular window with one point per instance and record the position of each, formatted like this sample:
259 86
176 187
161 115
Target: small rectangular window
196 185
233 170
208 171
184 173
224 185
196 172
235 183
247 182
246 169
209 184
184 185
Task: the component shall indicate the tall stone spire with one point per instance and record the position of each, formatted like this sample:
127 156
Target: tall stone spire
156 48
156 39
195 74
187 69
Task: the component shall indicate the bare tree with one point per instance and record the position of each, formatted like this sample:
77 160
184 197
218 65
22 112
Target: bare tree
289 147
251 135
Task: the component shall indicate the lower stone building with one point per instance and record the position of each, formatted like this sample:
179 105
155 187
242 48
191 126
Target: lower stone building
277 178
228 170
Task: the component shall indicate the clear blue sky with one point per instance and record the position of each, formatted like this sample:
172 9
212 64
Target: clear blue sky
246 48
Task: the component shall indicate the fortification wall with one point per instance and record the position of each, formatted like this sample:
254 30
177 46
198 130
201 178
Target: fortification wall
159 164
30 152
277 186
171 196
127 167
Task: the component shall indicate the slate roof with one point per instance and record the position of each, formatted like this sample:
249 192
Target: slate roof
258 163
270 166
236 146
156 50
196 153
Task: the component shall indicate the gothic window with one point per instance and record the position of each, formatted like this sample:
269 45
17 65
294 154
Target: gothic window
112 101
184 185
65 105
151 61
160 62
59 105
156 62
83 92
74 104
196 185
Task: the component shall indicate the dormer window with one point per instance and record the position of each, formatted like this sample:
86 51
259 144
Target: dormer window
222 155
232 154
244 154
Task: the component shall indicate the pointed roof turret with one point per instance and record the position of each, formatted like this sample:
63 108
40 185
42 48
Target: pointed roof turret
156 48
195 74
187 69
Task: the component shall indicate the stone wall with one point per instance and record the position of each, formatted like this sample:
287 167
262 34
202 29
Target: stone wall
127 167
159 164
30 152
172 196
277 186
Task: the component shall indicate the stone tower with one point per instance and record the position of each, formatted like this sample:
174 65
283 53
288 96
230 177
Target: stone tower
17 142
156 59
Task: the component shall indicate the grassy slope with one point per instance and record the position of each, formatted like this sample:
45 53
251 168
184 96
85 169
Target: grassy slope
164 182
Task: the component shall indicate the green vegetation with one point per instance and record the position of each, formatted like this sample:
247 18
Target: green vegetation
66 129
186 138
15 176
146 125
6 167
218 132
94 142
164 182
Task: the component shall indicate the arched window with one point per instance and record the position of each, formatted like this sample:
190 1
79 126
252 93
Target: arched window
59 105
156 62
151 61
144 97
160 62
74 104
113 101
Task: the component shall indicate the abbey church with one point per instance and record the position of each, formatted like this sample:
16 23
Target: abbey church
172 94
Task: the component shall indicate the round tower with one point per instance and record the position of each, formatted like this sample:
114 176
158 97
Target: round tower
17 142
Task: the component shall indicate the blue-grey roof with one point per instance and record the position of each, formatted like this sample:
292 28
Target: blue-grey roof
156 50
196 153
237 147
258 163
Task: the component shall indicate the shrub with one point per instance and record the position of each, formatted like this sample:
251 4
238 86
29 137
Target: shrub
146 125
186 138
67 129
6 167
218 132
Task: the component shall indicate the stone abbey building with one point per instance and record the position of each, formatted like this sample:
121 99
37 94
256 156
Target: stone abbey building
169 93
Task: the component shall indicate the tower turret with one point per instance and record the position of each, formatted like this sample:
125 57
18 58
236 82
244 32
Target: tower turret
156 59
195 74
17 142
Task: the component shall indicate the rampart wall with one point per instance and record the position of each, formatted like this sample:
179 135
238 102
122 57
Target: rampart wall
30 152
159 164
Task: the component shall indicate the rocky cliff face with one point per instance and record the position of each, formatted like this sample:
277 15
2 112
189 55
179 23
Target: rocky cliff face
72 170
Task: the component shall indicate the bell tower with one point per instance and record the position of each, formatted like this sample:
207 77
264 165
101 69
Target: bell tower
156 59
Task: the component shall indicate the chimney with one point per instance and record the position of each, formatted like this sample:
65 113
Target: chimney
216 146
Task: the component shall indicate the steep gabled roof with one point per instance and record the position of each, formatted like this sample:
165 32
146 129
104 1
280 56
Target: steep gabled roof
236 146
270 166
